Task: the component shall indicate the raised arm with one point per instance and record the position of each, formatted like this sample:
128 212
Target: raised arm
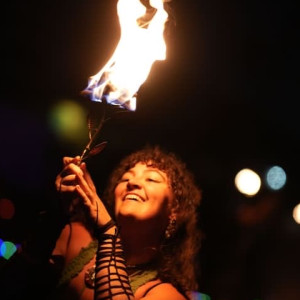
111 278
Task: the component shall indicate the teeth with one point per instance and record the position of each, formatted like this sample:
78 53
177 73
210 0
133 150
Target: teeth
132 197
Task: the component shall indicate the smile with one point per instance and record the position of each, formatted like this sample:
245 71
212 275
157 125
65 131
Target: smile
133 197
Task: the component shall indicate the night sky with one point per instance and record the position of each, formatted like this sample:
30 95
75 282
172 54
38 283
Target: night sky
224 99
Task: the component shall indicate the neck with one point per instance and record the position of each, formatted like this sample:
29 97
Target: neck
141 240
139 250
140 256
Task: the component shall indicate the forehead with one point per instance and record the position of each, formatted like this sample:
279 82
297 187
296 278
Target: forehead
147 167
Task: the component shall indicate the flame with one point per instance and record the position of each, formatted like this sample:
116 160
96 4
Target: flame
141 43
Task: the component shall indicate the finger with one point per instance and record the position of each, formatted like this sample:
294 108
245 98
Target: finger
88 177
85 187
71 168
87 202
70 180
67 188
83 195
67 160
57 182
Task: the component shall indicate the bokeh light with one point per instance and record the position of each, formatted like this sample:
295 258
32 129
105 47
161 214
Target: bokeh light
198 296
7 209
296 213
7 249
276 178
67 119
247 182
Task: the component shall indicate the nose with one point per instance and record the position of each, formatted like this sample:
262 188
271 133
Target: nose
133 183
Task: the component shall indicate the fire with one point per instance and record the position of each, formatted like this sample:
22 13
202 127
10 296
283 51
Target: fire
141 44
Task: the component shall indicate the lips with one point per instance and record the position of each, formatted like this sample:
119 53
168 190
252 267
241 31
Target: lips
133 197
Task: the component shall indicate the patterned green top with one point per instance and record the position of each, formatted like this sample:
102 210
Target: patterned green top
141 277
85 255
77 263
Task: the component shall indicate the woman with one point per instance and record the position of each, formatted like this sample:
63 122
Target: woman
139 240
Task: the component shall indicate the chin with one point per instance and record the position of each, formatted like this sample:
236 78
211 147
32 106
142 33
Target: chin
126 211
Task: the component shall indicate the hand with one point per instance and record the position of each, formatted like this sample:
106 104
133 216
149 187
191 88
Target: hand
87 193
65 183
75 182
66 180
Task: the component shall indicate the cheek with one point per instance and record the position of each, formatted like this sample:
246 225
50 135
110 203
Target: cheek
161 200
158 208
157 214
118 189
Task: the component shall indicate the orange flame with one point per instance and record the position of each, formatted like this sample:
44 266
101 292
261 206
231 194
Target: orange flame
141 43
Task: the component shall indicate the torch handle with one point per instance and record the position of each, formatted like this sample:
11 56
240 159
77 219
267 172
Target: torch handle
93 138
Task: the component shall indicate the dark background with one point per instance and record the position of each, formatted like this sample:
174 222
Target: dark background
225 98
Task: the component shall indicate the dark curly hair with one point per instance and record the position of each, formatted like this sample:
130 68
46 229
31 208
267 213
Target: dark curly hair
178 254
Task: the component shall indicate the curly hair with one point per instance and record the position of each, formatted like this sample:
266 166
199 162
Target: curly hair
178 254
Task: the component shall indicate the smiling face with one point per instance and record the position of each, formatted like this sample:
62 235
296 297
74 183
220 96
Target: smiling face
143 194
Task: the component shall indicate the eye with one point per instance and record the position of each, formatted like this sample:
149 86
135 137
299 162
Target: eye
152 179
153 176
124 179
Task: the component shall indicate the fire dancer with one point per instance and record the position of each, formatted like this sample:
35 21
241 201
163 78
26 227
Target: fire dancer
139 240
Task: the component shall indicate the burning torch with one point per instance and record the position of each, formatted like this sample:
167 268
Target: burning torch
142 24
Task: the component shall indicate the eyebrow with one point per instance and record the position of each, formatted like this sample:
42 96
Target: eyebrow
162 175
148 170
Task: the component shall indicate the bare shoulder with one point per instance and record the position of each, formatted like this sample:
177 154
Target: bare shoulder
157 290
61 242
74 234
